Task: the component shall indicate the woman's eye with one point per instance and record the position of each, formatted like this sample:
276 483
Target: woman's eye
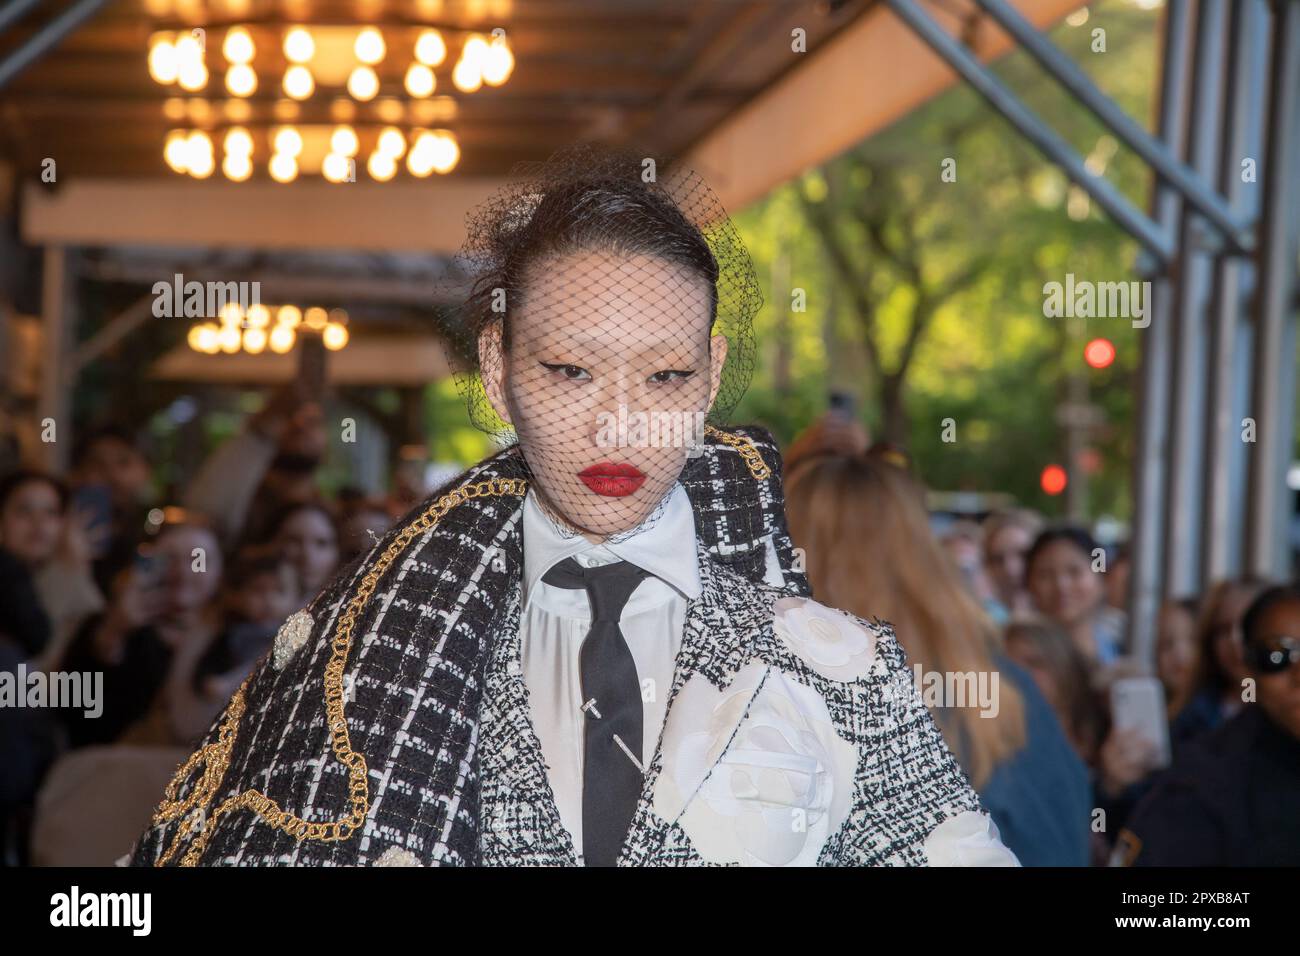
574 373
672 375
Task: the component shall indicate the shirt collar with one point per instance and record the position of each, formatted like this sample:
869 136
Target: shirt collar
665 546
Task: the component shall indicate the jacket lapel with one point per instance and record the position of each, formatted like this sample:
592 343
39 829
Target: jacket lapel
723 629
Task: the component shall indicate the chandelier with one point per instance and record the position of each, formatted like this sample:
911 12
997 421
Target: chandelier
325 61
265 327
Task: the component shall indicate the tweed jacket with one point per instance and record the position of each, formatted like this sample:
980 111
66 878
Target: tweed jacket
391 726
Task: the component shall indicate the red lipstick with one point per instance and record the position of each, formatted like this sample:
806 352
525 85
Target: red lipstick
614 479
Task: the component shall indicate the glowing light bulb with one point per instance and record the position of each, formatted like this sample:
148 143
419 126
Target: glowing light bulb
283 168
445 153
289 316
315 318
475 50
281 339
334 336
258 317
241 80
344 141
237 167
288 141
229 339
370 46
193 76
238 46
204 338
381 166
231 314
337 168
254 340
430 49
188 49
420 81
164 63
176 151
392 143
299 47
363 84
498 63
298 82
238 141
467 76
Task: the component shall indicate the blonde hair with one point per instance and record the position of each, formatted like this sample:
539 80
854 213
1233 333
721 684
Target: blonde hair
869 550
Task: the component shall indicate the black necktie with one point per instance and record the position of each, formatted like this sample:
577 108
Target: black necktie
611 691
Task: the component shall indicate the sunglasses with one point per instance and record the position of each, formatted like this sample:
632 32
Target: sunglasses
1276 659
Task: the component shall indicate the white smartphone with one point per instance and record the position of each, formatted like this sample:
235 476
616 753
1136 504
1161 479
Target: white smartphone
1138 703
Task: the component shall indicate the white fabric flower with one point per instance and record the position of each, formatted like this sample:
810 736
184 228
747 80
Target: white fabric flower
396 856
970 838
781 787
833 643
292 635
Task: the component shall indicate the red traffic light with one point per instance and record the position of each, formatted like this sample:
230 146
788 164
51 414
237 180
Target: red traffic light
1053 479
1099 353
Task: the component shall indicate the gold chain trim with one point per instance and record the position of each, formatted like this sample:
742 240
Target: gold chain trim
748 450
215 757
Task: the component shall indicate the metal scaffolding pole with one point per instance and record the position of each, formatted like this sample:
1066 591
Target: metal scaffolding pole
1224 491
1156 241
1274 317
1192 272
1195 189
1153 379
46 38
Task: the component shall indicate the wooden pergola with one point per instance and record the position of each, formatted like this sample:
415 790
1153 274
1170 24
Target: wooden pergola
749 93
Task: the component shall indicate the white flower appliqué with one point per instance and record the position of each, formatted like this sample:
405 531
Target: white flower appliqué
968 839
397 856
831 642
292 635
781 787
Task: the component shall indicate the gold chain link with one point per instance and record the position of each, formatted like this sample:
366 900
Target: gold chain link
748 450
215 757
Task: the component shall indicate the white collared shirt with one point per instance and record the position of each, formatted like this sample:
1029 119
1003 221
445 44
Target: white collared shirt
554 622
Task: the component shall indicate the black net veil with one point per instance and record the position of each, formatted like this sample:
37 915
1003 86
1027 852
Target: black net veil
587 315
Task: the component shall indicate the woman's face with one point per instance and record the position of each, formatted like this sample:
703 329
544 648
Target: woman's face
1004 556
1175 649
308 542
1063 585
31 523
608 374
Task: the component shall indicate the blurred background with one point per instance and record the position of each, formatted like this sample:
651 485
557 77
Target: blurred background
225 229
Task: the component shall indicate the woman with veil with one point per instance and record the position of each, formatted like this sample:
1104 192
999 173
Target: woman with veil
595 647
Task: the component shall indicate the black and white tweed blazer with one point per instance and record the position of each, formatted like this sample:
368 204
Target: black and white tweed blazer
794 733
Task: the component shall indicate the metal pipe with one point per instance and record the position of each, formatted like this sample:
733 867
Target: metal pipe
46 38
1276 257
1158 242
1184 536
1223 491
1193 188
14 11
1147 540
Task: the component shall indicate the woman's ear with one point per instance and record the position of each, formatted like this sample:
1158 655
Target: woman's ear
492 367
717 359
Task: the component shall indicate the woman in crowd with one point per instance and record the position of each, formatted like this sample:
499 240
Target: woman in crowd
1068 588
863 527
1220 669
1008 536
45 543
307 539
148 641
